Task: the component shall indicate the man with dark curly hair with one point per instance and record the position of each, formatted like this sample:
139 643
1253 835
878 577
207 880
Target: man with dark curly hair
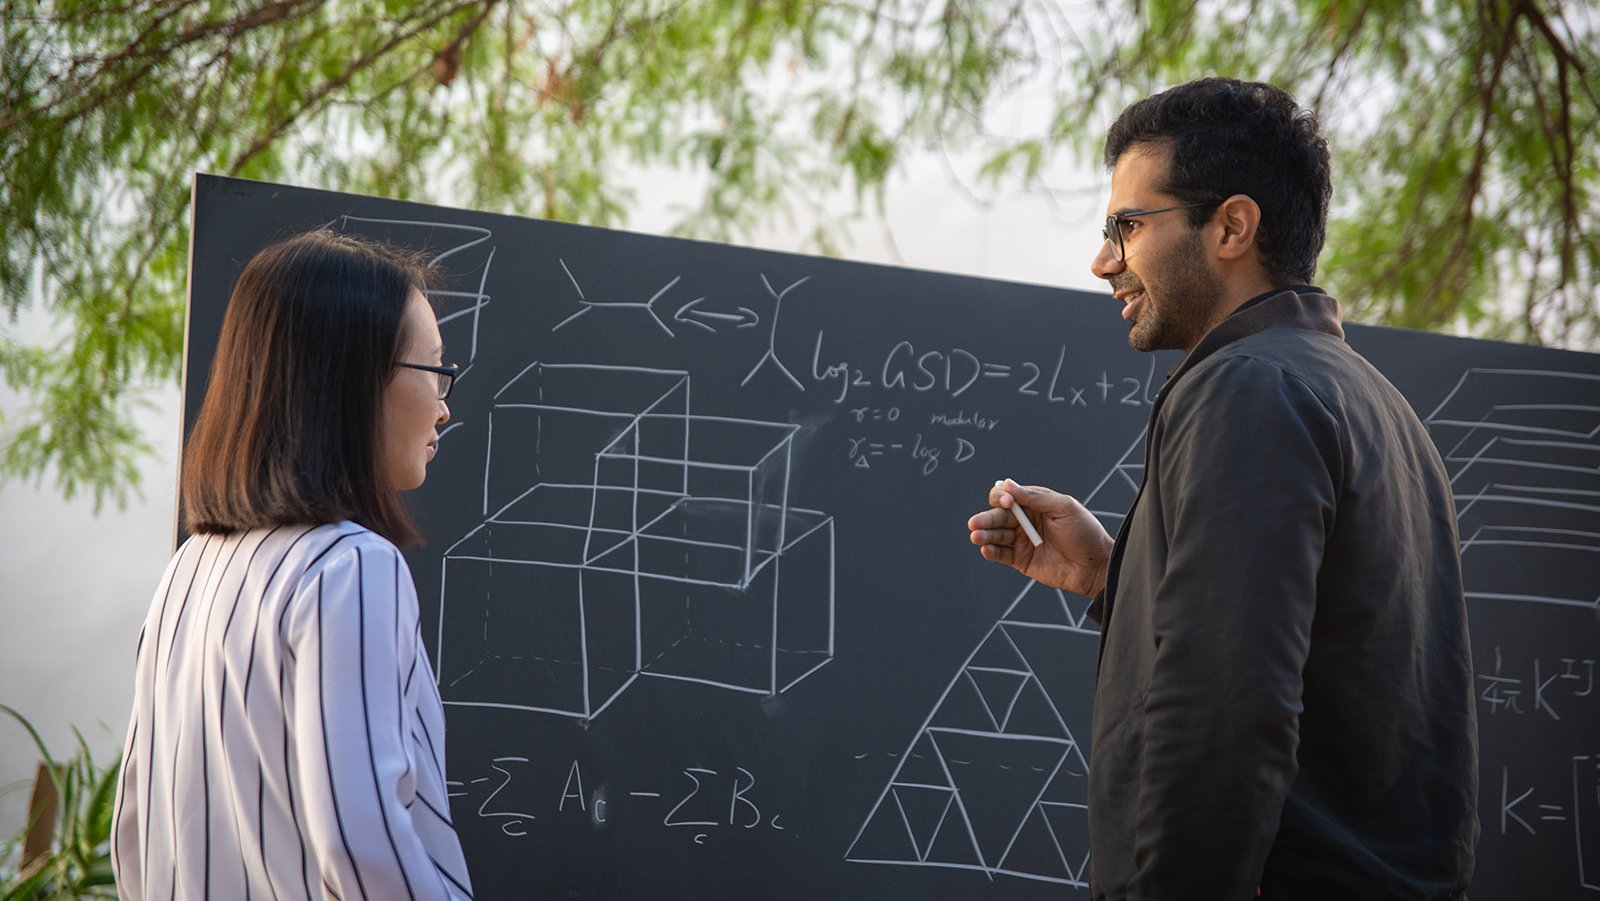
1284 702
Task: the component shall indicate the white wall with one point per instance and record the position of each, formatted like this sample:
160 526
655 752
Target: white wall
74 586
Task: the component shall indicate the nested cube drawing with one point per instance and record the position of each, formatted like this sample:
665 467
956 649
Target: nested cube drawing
627 537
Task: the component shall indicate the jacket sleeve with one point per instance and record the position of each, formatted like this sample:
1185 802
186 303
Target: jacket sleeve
350 727
1097 608
1250 465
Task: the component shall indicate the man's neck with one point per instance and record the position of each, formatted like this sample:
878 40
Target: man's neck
1238 292
1241 289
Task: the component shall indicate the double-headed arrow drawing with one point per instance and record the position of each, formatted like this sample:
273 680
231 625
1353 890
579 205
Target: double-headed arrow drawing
746 317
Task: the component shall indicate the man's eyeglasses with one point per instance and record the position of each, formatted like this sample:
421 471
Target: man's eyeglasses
447 375
1116 221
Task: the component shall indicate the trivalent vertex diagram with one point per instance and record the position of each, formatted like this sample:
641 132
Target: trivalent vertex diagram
648 541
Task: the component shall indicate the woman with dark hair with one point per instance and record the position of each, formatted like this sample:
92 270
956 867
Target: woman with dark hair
287 737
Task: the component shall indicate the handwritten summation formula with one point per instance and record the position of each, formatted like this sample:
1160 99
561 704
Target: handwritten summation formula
696 802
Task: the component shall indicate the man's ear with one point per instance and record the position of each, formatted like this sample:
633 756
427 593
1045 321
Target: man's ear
1239 219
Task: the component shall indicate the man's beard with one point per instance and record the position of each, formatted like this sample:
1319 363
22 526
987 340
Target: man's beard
1188 298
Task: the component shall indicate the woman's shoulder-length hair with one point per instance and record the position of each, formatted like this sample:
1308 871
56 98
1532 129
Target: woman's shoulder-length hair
288 431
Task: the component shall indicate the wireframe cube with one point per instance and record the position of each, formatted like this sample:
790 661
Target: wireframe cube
763 636
548 423
719 486
524 624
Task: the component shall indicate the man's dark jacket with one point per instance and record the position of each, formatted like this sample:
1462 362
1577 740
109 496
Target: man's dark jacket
1285 689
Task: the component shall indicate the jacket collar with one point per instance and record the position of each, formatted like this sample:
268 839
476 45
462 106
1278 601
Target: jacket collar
1293 306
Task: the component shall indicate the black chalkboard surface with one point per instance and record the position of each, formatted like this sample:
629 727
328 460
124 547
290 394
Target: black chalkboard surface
699 593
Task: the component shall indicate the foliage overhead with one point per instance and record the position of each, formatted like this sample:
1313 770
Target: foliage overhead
1468 197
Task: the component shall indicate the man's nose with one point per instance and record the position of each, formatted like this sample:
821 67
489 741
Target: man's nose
1105 264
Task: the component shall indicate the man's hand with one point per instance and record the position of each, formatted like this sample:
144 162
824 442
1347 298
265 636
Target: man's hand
1076 548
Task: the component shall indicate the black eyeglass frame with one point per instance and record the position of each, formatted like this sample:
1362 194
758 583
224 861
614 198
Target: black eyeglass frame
447 376
1115 221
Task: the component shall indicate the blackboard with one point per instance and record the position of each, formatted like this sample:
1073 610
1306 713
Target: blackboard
698 587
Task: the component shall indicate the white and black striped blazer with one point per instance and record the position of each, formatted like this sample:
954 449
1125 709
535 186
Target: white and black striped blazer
287 738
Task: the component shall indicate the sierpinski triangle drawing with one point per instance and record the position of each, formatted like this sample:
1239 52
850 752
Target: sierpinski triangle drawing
992 781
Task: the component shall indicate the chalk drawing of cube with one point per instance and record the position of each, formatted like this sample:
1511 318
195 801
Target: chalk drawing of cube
547 424
710 488
626 538
523 624
763 634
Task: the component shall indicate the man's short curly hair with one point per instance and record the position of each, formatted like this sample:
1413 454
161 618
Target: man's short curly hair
1241 137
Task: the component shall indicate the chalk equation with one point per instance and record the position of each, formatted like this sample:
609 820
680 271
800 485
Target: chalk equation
1564 679
924 451
1546 811
921 452
958 419
953 371
698 802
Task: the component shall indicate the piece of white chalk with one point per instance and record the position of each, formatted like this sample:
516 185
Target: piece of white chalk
1033 534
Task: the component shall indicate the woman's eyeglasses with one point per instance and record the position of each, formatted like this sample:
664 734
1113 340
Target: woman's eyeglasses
447 375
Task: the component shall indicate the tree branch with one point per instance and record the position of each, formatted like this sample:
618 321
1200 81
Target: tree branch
1350 34
448 58
1456 265
232 28
1564 55
312 100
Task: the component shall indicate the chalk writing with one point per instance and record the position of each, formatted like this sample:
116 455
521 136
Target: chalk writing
1568 677
954 371
962 418
702 801
923 454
